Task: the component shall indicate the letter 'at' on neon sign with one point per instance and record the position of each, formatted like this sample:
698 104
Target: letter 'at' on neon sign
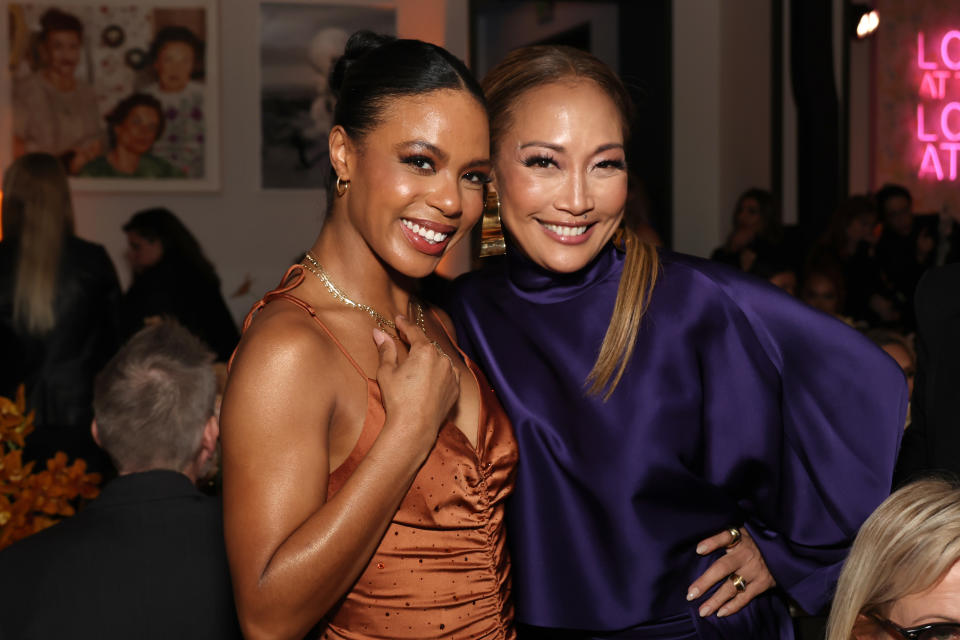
952 147
930 163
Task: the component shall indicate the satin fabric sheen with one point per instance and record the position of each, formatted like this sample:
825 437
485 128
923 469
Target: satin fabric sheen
442 568
740 405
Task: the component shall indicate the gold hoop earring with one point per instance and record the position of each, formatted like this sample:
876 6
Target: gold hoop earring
492 242
342 186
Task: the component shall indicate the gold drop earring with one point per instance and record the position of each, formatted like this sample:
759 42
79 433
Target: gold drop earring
492 242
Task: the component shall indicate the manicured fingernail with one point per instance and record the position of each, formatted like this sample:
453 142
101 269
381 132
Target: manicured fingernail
722 612
694 592
702 549
705 611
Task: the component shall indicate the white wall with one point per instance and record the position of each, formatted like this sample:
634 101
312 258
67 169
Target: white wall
745 102
501 29
696 125
721 114
721 141
249 233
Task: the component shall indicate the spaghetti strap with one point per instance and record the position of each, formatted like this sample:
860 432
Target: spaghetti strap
449 337
291 280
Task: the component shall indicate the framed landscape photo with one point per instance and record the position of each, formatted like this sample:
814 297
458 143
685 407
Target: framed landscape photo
299 43
125 94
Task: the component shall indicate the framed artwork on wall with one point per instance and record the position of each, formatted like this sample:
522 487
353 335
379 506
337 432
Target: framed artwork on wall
299 43
125 94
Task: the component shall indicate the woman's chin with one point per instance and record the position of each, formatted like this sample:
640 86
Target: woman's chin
565 259
413 264
564 264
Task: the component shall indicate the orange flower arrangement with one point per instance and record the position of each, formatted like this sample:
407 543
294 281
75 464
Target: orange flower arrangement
32 501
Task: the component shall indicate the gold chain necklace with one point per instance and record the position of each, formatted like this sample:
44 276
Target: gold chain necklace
311 264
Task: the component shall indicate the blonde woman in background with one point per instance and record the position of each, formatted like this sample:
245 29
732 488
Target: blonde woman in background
58 308
902 578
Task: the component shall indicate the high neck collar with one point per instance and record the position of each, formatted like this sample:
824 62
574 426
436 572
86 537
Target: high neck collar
540 285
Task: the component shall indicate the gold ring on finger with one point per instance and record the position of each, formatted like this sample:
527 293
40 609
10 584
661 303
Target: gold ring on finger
738 582
735 537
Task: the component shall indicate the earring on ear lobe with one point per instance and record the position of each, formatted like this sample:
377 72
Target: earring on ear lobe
492 242
342 186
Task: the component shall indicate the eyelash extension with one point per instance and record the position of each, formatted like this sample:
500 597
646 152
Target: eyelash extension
612 164
536 160
482 178
415 159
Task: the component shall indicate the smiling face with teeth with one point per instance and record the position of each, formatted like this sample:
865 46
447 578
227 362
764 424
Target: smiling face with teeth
561 173
416 180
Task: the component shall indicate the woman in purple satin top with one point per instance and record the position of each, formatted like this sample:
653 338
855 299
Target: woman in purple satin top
716 400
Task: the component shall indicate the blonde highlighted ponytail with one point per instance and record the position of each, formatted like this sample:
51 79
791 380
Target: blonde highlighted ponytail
639 276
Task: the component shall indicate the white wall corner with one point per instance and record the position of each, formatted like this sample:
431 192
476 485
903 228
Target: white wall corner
697 198
745 90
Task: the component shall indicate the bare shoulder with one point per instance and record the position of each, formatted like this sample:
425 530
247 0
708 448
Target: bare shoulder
284 334
280 366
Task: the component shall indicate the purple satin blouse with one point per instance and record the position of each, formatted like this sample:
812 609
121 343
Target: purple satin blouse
740 405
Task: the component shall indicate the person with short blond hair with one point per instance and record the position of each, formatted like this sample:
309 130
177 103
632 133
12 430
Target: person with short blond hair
154 403
146 559
903 569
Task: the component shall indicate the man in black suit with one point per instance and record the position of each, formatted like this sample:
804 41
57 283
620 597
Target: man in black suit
932 443
146 559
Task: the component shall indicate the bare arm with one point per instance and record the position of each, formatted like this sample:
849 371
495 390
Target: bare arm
292 554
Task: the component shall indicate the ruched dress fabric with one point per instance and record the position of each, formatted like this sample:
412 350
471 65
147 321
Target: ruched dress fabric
442 569
741 405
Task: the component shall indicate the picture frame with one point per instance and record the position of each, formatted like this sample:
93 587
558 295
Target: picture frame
299 42
126 95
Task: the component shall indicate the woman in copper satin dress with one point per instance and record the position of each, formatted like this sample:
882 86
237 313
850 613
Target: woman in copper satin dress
366 460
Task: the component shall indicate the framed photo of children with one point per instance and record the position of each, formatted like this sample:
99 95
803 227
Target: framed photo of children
300 41
125 94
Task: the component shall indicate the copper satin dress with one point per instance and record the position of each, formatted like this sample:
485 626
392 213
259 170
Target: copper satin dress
442 569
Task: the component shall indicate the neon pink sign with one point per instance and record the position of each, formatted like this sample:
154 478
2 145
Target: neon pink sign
938 115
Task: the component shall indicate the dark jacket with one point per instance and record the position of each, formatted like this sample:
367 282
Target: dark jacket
171 289
58 368
932 442
144 560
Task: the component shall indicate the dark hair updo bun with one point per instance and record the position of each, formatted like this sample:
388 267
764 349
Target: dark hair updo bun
375 68
359 44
